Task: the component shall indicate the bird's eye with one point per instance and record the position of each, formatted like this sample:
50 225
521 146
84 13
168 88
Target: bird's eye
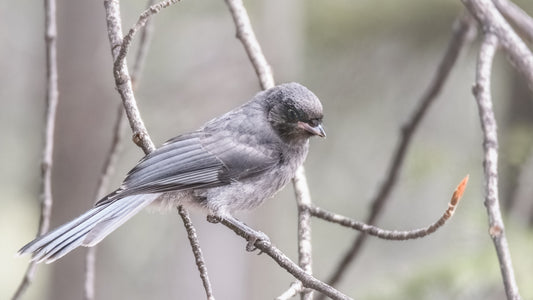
291 113
314 122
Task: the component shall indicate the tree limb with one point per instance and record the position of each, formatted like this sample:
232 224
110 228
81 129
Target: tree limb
482 94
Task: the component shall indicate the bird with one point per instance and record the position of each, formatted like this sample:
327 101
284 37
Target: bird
232 163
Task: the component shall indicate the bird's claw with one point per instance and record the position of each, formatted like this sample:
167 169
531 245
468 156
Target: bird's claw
253 238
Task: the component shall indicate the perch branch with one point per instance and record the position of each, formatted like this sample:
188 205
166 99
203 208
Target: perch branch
482 94
283 261
462 33
51 99
246 35
516 50
393 234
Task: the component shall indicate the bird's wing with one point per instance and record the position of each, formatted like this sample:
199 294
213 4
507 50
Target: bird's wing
195 160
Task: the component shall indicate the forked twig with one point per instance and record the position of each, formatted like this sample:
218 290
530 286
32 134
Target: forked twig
120 47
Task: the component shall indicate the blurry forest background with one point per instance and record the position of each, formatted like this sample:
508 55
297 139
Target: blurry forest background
368 61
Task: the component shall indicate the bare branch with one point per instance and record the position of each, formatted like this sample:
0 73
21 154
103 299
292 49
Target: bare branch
482 94
103 183
516 50
197 251
51 100
120 47
307 280
518 17
246 35
393 234
295 288
303 200
122 77
462 33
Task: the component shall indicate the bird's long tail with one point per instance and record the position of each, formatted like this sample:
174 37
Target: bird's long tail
86 230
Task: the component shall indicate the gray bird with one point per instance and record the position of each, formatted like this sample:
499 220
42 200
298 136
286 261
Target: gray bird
234 162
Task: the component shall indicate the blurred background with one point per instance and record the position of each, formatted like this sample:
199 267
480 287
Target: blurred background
368 61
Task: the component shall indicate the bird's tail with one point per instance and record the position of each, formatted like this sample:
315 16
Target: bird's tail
86 230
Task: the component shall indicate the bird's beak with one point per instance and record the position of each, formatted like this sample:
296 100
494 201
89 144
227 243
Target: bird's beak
317 130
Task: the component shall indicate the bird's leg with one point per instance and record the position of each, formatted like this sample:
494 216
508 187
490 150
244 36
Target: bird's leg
249 233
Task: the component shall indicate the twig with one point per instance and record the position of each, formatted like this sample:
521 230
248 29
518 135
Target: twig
517 51
462 33
122 78
197 251
295 288
103 183
307 280
51 100
393 234
246 35
514 14
482 94
303 200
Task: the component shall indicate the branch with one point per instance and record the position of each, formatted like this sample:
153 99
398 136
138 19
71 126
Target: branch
246 35
393 234
462 33
197 251
122 77
491 20
107 171
307 280
303 200
120 47
51 100
518 17
482 93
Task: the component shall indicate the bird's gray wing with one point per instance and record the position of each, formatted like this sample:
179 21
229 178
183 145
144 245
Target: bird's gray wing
194 160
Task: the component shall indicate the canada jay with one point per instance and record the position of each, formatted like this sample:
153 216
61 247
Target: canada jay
234 162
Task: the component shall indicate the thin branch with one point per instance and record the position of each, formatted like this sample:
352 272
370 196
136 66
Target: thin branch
295 288
197 251
393 234
491 20
120 47
246 35
103 183
517 16
51 100
482 94
122 77
307 280
462 33
141 22
303 200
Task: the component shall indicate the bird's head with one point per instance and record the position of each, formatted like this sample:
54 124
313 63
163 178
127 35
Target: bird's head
294 112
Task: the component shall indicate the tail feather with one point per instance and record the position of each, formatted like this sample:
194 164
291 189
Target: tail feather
86 230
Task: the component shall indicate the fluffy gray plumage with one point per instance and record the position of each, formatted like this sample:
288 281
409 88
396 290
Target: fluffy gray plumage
234 162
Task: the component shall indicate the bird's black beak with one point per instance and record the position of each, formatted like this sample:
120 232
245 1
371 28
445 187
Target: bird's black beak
314 130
